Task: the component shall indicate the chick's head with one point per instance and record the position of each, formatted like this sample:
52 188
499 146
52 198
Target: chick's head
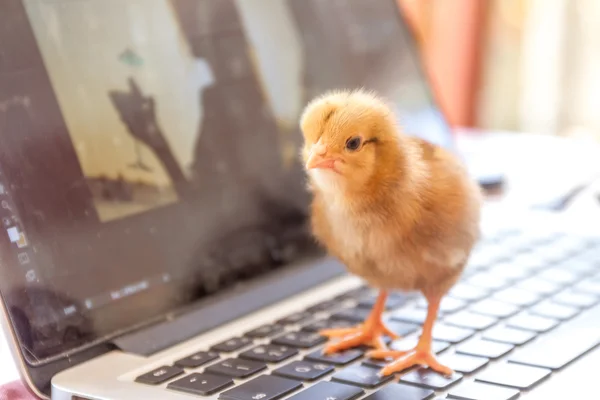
349 138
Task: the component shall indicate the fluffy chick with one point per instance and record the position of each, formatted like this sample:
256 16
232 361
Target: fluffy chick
399 212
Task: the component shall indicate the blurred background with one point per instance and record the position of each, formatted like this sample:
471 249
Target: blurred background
514 65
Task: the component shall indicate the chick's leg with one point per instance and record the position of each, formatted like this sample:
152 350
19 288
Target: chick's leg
420 355
369 333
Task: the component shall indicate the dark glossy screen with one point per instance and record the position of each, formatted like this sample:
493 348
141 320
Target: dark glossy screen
148 148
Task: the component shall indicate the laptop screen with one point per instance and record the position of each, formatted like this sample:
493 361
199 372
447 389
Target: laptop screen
148 148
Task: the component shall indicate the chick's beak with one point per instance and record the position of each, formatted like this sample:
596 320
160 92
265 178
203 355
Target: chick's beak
316 161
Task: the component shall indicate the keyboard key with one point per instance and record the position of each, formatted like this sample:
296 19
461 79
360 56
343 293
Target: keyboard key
393 301
329 391
494 308
558 275
448 305
303 340
407 344
510 270
486 280
484 348
467 319
451 334
482 391
563 345
463 291
197 359
159 375
296 318
356 294
265 387
236 368
269 353
232 344
539 286
513 375
517 297
341 358
201 384
504 334
265 331
429 379
327 324
551 309
399 391
402 329
304 370
410 314
360 375
530 322
324 306
590 287
356 315
574 299
463 363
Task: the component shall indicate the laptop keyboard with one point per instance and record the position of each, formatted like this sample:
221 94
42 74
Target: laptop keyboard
516 288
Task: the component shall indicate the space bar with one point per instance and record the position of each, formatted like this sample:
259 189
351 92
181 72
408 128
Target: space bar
563 345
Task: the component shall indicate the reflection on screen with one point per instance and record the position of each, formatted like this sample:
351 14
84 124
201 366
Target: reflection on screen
150 154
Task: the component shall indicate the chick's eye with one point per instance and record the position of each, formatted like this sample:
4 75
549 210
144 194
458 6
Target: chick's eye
353 143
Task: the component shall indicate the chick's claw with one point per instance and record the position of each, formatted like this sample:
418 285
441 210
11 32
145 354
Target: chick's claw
404 360
363 335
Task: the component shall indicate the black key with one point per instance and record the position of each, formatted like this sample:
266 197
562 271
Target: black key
296 318
494 308
518 297
328 324
356 315
539 286
513 375
324 306
361 375
484 348
201 384
236 368
451 334
197 359
269 353
265 331
159 375
427 378
304 370
329 391
463 291
401 392
402 329
448 305
530 322
265 387
463 363
551 309
341 358
466 319
232 344
558 275
482 391
411 315
574 299
504 334
303 340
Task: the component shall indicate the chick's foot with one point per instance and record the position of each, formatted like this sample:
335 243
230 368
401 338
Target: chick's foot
407 359
368 334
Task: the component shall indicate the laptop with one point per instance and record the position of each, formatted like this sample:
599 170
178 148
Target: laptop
155 215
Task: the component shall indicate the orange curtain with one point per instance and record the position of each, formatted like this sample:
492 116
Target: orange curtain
450 36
